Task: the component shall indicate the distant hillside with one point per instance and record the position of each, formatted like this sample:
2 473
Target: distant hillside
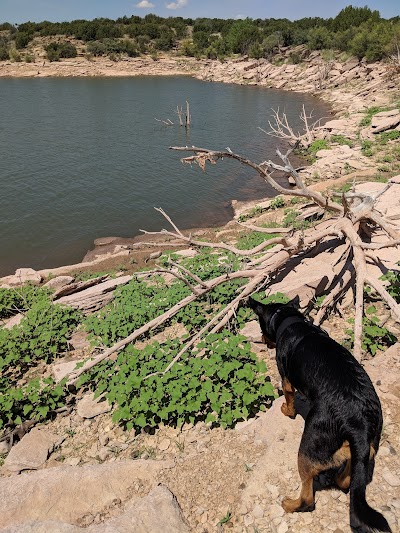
356 31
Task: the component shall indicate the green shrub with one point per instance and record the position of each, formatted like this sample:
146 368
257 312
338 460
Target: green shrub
57 51
386 136
14 55
4 53
22 40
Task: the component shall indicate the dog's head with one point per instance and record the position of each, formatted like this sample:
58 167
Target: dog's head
268 317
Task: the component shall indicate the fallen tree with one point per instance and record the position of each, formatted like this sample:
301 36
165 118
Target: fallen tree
349 217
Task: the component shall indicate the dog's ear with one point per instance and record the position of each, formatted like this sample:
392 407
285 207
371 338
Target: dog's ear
295 302
257 307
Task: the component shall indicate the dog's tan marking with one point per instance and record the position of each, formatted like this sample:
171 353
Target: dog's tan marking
343 479
288 407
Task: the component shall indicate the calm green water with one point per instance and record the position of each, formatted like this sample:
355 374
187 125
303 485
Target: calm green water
84 158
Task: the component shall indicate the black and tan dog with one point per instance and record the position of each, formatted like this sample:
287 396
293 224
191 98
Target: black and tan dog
344 424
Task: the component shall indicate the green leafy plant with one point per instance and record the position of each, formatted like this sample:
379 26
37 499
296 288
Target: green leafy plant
386 136
393 286
35 400
316 146
342 140
225 519
253 239
375 337
42 334
290 217
220 382
277 202
366 148
256 210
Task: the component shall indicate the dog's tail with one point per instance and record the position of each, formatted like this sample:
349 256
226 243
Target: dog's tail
361 513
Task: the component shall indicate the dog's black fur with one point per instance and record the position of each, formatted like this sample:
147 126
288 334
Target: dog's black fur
343 427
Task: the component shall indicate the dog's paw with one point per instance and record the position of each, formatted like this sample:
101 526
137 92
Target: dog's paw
290 412
297 506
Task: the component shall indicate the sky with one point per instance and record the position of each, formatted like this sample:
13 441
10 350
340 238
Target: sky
17 11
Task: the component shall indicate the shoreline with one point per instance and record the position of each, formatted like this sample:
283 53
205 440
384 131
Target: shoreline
353 87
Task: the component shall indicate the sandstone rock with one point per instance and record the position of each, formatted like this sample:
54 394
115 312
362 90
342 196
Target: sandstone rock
62 369
25 275
324 153
59 282
354 163
68 493
158 512
252 331
336 124
105 241
385 114
32 450
306 280
89 407
384 123
350 64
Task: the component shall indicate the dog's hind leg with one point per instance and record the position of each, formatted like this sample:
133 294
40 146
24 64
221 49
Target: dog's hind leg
315 456
305 502
287 408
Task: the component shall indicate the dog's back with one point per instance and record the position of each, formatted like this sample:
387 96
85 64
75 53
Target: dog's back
344 424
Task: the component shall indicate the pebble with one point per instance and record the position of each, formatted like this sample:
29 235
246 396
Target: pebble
73 461
258 511
164 445
391 479
384 451
273 490
248 520
103 439
307 519
3 447
395 503
104 453
282 528
275 511
242 509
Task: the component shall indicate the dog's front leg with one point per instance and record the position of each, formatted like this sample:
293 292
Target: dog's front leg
287 408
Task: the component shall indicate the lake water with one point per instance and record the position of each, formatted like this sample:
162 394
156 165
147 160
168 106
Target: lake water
84 158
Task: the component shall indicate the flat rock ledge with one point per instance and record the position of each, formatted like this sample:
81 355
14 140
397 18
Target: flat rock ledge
62 498
158 512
